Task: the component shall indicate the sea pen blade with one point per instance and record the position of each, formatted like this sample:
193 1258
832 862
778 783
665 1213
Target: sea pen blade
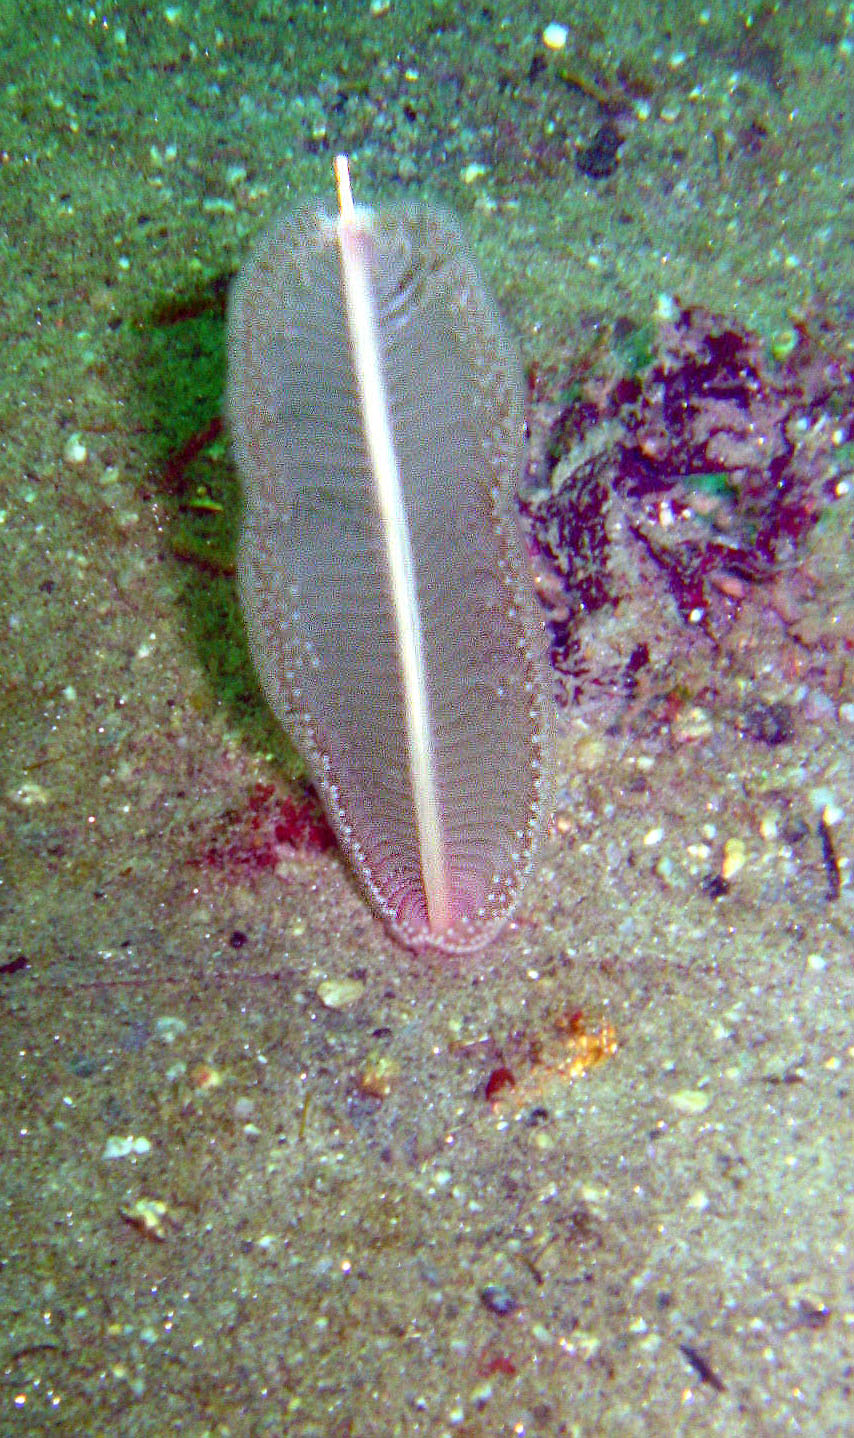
377 421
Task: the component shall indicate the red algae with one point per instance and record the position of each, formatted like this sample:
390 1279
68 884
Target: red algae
712 464
270 827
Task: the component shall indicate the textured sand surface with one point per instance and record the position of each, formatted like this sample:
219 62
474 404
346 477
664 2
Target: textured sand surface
262 1170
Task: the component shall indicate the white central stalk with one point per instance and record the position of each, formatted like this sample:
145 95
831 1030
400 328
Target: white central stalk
353 237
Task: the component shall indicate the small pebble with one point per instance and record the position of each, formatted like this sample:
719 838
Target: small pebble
378 1078
498 1299
120 1146
340 993
735 858
75 451
147 1215
28 795
784 343
666 309
689 1100
555 36
204 1076
694 724
598 159
825 803
168 1028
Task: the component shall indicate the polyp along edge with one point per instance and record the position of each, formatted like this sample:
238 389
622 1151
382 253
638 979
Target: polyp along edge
377 419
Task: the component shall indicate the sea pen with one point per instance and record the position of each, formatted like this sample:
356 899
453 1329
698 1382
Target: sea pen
377 419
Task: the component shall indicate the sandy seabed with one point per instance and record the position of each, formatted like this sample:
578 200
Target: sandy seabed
264 1171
